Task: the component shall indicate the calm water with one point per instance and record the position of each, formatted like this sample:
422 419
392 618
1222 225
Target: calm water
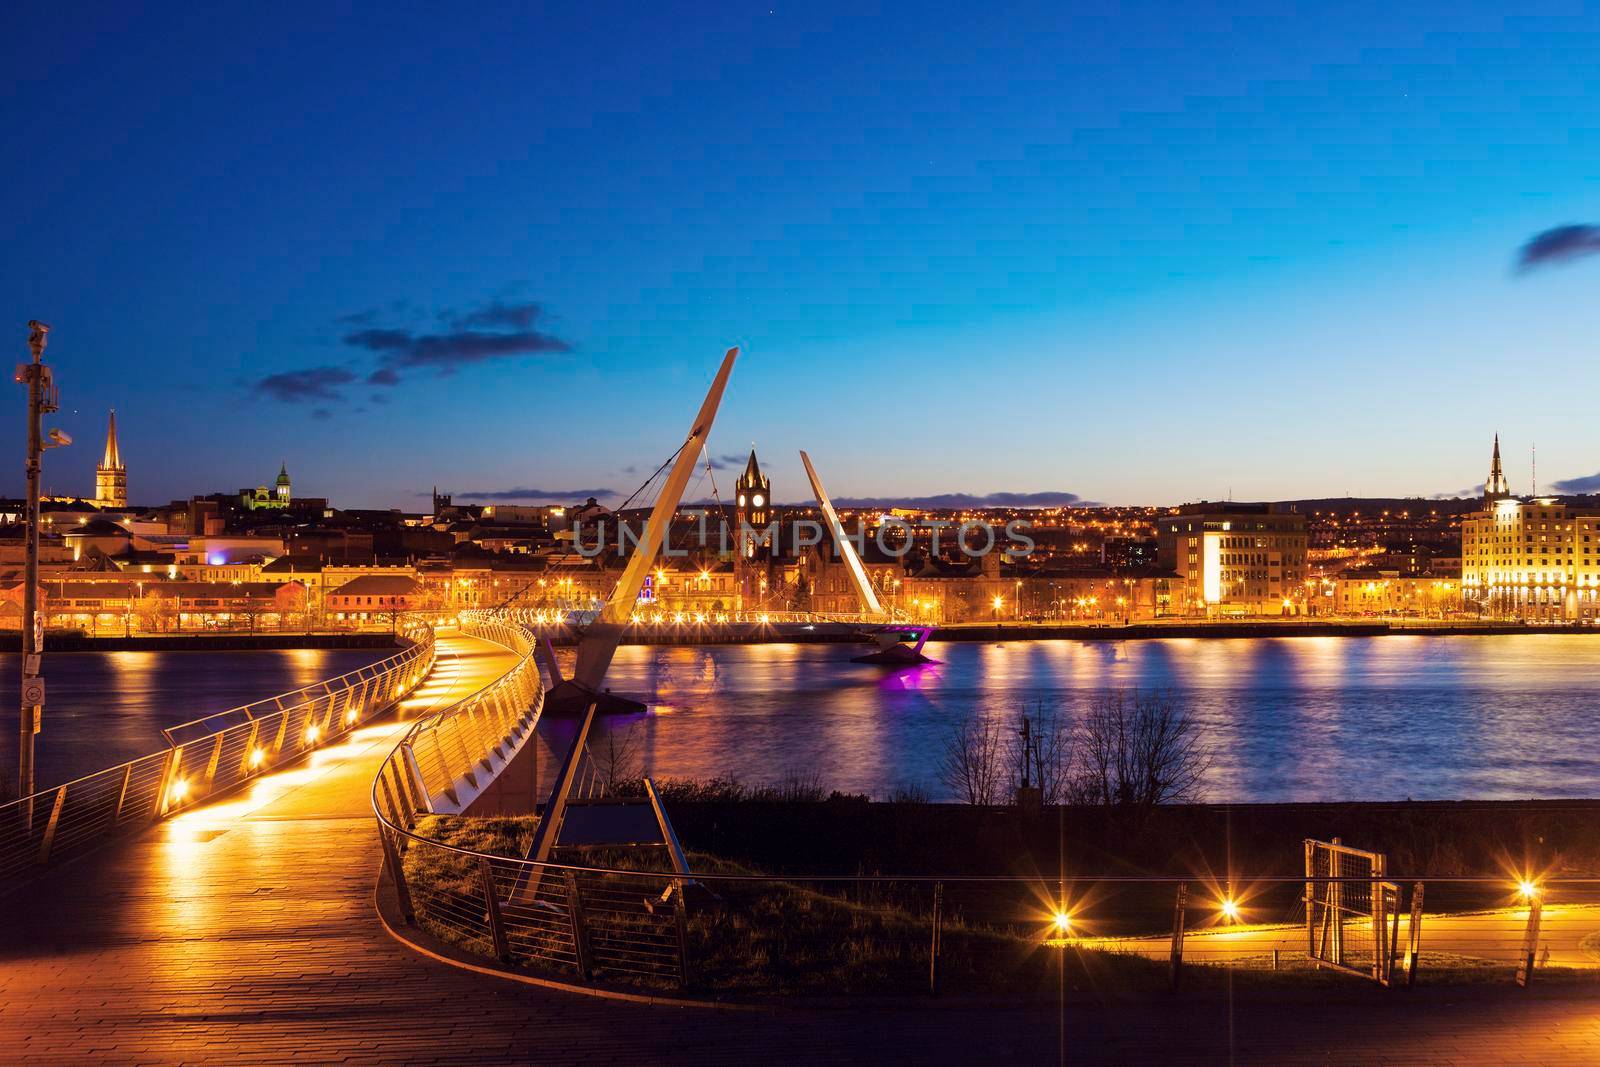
104 708
1294 718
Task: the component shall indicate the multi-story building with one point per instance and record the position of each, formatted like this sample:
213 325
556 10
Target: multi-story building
1236 559
1536 559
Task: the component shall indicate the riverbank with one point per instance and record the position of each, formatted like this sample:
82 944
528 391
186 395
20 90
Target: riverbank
691 633
201 642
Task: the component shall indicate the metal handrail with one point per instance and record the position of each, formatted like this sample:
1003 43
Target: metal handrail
413 628
41 827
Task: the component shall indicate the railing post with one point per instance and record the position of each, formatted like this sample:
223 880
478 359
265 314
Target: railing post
397 874
168 774
50 827
388 794
211 764
246 766
938 932
491 898
580 941
680 918
1530 941
122 794
425 801
1175 965
283 731
1414 936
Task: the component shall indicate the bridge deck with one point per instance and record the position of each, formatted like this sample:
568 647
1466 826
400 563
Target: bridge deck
243 931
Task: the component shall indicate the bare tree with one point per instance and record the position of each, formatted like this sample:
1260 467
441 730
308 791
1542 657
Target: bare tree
1043 750
973 765
617 758
1137 750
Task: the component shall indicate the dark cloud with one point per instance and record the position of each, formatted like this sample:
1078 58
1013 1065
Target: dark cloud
311 383
323 413
402 348
1589 483
498 314
1471 490
1560 245
968 500
557 495
384 376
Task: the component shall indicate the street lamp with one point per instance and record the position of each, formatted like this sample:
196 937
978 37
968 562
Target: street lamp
41 399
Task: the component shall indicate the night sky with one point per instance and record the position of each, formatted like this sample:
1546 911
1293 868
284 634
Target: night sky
1143 254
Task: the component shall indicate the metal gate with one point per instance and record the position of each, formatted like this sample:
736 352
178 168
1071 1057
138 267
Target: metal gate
1352 914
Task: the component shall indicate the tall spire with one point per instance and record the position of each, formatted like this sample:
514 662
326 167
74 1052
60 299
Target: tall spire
110 478
1494 488
752 470
113 458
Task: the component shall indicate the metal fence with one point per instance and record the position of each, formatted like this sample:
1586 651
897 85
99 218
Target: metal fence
204 758
723 934
446 759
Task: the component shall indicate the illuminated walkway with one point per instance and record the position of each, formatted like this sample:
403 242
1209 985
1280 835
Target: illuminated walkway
244 931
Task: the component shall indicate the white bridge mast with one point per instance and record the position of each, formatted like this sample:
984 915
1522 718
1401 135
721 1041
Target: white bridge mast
600 639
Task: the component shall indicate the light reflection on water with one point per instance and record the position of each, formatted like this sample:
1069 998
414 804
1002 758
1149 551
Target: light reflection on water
1292 718
104 708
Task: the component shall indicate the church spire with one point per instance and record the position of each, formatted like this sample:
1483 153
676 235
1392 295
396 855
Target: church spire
111 478
113 457
1494 488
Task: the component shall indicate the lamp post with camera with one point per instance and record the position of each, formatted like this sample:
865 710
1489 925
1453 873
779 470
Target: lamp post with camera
42 398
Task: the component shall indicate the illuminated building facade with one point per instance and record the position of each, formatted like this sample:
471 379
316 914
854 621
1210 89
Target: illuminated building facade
264 498
1536 559
1236 559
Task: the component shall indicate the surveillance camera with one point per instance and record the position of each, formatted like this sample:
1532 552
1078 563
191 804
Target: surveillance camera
60 437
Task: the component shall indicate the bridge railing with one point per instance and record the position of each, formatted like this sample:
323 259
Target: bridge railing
447 758
204 758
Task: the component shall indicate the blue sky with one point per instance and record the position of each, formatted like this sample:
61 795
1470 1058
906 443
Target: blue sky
1144 253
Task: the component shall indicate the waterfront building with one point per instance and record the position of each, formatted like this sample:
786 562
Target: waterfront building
374 597
111 477
1236 559
1374 591
1536 559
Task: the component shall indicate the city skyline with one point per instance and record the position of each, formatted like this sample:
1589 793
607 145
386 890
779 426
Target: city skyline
1099 266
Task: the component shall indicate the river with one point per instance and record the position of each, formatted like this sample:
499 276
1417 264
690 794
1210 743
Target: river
104 708
1285 719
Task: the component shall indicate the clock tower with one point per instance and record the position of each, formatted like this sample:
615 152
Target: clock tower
752 547
754 512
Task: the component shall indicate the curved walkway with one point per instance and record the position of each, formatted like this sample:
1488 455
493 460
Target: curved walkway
243 931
